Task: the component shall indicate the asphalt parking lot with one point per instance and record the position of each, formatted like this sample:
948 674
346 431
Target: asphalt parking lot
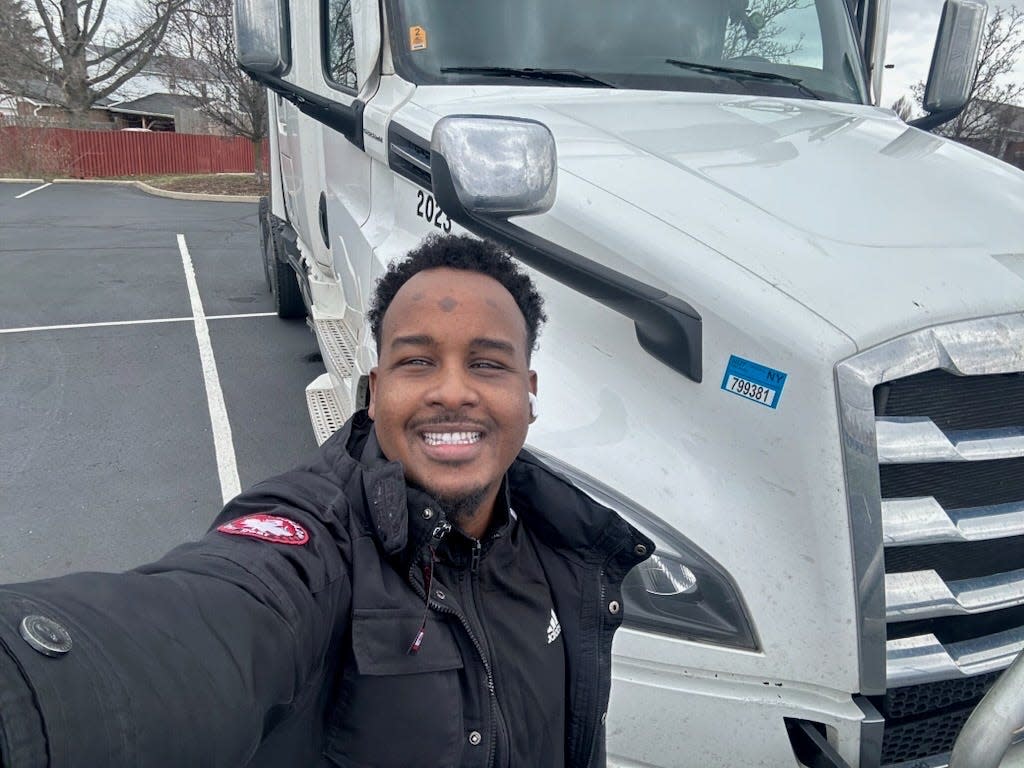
114 443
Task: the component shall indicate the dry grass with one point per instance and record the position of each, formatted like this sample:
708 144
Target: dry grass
210 184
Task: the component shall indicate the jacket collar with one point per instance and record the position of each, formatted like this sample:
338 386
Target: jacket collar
403 518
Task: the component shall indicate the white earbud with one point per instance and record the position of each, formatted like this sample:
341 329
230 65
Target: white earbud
534 410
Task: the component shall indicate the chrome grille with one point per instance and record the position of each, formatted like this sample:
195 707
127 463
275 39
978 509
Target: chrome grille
923 737
919 699
971 475
965 559
933 430
959 487
954 402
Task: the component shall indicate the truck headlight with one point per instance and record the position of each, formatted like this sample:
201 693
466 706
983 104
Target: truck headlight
679 590
664 577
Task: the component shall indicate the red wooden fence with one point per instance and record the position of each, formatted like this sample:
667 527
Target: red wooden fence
90 154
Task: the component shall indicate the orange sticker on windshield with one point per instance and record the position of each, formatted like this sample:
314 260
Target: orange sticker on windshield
417 39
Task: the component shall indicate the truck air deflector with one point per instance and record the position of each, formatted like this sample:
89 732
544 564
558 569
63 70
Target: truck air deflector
346 120
668 328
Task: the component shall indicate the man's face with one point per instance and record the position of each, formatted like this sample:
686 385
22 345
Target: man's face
449 395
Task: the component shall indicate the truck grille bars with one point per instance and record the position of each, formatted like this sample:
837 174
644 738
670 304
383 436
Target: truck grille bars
933 440
952 483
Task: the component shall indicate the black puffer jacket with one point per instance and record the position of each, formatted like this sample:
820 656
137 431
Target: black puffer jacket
226 652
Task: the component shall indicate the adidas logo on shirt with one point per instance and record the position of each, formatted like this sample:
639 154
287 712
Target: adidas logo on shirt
554 628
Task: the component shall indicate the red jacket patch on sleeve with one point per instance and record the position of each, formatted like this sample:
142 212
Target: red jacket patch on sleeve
279 530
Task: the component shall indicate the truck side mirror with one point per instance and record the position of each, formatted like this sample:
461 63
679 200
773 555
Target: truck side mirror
262 37
954 62
263 50
497 166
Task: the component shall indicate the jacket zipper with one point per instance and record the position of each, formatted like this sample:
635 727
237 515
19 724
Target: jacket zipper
596 714
439 533
496 709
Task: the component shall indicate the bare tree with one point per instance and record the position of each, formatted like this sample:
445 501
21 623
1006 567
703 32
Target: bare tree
85 53
21 42
201 61
904 108
983 121
341 54
761 35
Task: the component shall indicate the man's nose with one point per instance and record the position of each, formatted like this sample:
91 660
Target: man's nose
453 388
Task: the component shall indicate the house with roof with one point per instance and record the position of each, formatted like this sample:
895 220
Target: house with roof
158 112
152 100
1007 142
37 101
164 96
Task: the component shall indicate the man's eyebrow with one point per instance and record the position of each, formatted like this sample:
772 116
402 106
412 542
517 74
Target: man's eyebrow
496 344
421 340
481 342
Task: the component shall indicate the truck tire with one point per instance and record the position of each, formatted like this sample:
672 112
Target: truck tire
285 286
282 282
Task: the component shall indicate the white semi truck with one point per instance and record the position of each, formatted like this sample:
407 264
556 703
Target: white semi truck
786 335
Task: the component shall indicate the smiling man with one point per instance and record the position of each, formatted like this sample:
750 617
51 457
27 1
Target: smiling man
422 593
450 397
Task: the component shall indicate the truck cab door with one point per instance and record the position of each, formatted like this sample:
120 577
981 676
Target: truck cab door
350 55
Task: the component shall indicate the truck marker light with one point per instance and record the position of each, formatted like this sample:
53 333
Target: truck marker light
753 381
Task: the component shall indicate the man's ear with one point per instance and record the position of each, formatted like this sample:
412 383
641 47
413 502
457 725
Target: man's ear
372 407
532 389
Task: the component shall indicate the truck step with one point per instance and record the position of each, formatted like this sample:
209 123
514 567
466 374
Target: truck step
338 344
328 408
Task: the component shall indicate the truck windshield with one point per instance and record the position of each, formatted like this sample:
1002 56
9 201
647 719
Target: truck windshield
806 48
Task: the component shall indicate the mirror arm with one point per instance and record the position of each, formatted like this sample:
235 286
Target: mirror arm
935 119
348 121
668 328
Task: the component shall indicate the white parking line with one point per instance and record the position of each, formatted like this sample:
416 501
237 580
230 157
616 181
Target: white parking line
243 314
224 446
108 324
36 189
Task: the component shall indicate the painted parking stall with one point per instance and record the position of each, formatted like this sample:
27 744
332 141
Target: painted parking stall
116 445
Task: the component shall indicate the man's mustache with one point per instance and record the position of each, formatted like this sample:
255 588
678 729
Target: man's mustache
450 417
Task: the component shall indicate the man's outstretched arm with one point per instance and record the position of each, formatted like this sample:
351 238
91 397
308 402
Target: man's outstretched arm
188 661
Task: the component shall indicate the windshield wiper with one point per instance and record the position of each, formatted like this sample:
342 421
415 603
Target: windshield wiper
744 74
567 76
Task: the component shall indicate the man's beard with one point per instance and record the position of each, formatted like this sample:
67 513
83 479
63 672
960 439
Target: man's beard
461 507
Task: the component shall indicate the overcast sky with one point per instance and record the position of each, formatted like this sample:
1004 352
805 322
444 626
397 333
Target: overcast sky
912 28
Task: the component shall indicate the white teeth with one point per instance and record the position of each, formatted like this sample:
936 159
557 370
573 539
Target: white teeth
451 438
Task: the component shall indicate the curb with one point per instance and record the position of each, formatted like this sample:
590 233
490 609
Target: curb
164 192
22 181
121 182
196 195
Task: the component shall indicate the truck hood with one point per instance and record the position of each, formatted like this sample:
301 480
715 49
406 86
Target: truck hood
877 227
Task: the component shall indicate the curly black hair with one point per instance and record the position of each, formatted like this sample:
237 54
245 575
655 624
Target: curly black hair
469 254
